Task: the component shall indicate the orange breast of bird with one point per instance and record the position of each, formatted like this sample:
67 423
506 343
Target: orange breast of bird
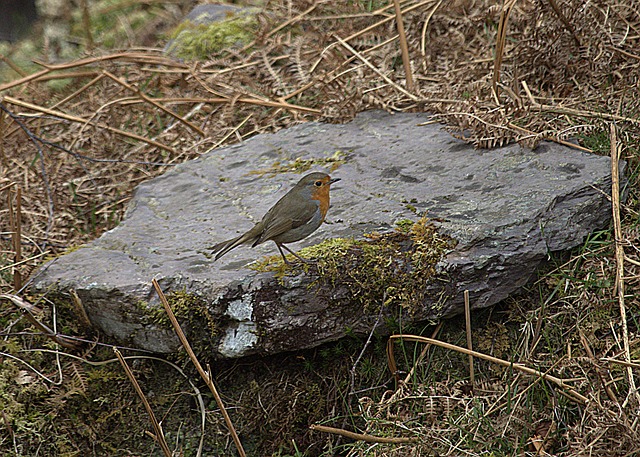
322 195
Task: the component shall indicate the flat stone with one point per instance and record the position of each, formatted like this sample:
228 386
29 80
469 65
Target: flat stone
508 208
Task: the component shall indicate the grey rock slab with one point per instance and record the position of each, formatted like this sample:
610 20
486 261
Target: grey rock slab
507 207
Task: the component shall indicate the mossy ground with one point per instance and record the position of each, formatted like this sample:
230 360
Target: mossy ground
273 400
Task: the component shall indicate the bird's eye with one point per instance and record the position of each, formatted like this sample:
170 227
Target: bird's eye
318 183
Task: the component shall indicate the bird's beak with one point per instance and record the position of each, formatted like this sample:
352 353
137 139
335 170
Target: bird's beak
332 180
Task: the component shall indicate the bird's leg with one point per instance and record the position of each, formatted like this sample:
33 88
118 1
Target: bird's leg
282 254
280 246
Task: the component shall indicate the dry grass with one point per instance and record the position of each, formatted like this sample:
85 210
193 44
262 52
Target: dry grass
77 137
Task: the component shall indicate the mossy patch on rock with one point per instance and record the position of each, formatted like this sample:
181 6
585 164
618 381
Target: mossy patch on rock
191 312
197 41
298 165
395 266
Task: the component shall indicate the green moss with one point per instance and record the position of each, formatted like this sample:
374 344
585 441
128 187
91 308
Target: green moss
394 265
299 165
272 264
404 225
185 306
199 41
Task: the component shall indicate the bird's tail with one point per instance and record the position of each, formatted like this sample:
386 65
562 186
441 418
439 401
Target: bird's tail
222 248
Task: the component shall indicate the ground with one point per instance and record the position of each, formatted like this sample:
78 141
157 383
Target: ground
77 136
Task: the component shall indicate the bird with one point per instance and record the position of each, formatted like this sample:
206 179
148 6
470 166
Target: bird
295 216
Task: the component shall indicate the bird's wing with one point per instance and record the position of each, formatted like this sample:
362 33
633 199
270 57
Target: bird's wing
277 221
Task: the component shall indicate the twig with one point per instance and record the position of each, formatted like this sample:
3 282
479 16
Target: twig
388 19
467 317
233 130
205 376
545 136
23 261
565 21
159 436
391 359
621 362
26 79
68 75
79 311
423 40
617 230
43 170
366 345
12 65
61 115
359 436
500 43
153 102
404 47
509 391
126 56
15 222
289 22
560 382
576 112
423 353
371 66
249 101
78 92
623 52
607 388
28 309
32 368
140 57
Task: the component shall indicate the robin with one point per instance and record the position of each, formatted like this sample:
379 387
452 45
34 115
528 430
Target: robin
295 216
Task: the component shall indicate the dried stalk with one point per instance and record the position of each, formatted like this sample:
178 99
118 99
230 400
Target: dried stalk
601 374
27 309
249 101
565 21
467 317
391 362
205 375
69 97
404 47
153 102
425 26
617 230
61 115
289 22
576 112
500 43
570 391
388 19
15 223
360 436
159 436
371 66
